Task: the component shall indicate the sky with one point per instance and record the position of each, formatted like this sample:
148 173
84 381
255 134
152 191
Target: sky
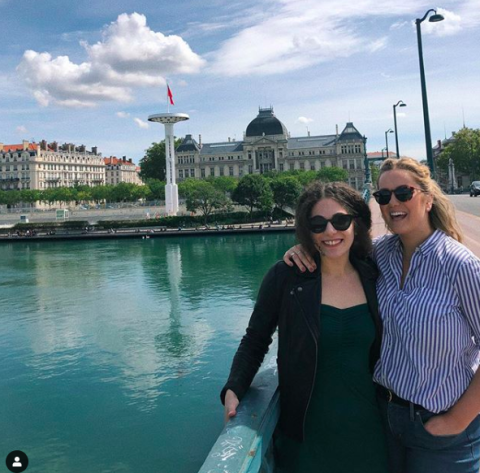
91 72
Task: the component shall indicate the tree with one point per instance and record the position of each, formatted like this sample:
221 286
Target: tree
464 150
153 164
253 191
332 174
226 184
203 196
155 189
286 190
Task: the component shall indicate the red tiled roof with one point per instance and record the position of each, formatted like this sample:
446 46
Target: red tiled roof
31 147
378 154
112 160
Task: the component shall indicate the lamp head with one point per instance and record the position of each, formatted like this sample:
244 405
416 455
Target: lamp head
436 18
403 104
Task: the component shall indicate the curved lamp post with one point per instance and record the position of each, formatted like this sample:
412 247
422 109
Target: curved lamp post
428 138
386 139
400 103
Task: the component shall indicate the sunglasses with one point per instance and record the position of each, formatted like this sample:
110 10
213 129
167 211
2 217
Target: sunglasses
340 222
402 194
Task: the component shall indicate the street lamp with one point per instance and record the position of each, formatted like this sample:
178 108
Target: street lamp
368 179
400 103
383 156
386 139
428 139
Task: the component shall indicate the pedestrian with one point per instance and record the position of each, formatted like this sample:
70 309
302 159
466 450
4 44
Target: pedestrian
429 300
328 341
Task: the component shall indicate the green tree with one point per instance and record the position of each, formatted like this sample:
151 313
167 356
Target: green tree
464 151
153 164
155 189
253 191
286 190
226 184
332 174
203 196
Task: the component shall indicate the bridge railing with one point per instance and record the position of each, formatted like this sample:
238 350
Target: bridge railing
245 444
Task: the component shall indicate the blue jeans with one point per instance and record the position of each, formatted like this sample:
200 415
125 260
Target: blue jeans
411 449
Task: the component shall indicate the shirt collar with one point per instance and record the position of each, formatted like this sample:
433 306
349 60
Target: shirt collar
430 244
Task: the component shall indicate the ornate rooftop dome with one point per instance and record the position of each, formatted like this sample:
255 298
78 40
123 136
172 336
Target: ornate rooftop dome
266 123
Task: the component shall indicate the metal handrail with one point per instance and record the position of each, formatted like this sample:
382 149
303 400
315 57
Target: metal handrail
245 444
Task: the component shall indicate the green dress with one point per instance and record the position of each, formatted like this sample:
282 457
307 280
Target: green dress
343 430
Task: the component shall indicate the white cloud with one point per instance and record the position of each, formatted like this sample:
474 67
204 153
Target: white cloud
451 25
21 129
301 33
141 123
130 55
378 44
304 120
295 34
123 114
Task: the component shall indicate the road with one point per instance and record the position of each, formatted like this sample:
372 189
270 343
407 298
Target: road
468 216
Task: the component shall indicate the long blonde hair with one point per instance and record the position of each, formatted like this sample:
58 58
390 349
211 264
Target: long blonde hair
442 215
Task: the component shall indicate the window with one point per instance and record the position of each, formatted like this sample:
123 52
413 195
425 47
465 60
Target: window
302 166
281 167
352 163
250 169
312 167
180 174
230 170
221 171
212 172
292 166
202 172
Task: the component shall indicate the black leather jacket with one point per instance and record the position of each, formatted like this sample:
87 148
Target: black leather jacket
290 300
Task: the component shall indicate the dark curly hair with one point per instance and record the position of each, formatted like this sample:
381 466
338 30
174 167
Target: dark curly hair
350 200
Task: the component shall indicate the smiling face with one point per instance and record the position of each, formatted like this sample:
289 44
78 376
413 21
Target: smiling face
407 219
332 243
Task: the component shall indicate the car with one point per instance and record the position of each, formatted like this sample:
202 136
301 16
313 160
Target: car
475 189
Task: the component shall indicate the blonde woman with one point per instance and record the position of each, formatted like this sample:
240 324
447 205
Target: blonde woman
428 290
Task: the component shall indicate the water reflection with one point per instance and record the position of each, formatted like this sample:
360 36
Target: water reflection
125 340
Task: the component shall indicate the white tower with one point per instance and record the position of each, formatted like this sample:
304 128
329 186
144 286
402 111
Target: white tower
171 189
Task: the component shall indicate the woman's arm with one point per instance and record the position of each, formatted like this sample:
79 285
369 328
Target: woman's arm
296 255
459 416
255 342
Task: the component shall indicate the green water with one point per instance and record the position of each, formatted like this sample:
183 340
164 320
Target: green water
112 354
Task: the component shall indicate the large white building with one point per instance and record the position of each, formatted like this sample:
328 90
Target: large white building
41 166
121 170
267 145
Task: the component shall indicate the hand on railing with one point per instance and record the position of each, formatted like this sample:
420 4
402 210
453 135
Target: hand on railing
231 404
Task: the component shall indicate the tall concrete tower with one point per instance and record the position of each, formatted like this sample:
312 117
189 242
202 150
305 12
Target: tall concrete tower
171 189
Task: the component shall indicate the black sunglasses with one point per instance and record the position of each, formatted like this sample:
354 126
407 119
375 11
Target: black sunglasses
340 222
402 194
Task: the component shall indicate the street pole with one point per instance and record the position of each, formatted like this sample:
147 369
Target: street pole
386 139
402 104
426 119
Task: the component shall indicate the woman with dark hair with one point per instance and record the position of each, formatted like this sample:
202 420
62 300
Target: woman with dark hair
428 382
328 341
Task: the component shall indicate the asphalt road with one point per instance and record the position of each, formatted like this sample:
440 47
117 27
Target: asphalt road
467 204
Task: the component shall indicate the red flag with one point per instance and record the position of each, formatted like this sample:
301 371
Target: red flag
170 96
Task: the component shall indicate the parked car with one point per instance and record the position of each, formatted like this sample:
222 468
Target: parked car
475 188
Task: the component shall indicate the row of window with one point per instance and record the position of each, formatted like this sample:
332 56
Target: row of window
351 149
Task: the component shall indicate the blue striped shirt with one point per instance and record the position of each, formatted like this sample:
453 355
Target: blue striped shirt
431 327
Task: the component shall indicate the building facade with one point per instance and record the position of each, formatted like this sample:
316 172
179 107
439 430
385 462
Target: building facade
267 146
121 170
42 166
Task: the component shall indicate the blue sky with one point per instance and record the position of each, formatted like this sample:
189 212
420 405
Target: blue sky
91 72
